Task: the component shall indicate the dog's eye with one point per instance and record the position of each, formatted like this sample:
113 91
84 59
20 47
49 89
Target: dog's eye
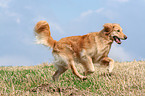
118 30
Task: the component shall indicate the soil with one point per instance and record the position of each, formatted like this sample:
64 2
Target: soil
68 91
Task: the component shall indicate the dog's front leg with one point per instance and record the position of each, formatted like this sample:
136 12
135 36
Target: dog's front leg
109 62
88 65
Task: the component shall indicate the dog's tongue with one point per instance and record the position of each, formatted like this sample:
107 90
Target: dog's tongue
118 41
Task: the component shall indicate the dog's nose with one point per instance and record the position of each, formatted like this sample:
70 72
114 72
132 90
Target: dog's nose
125 37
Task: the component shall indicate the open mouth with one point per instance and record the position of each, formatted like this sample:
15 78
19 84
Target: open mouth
117 40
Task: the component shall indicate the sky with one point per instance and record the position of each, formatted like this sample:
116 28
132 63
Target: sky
67 18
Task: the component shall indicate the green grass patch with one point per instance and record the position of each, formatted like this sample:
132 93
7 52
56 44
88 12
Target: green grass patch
128 78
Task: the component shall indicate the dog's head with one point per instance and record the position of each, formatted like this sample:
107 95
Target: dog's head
114 31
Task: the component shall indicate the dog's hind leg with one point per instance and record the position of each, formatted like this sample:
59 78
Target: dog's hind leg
75 72
60 70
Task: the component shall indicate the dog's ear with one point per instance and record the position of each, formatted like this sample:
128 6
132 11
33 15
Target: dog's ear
108 27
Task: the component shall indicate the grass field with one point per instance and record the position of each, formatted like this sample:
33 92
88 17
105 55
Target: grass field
128 78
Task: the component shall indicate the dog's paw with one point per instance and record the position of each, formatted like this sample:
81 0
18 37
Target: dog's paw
84 78
84 73
54 78
88 73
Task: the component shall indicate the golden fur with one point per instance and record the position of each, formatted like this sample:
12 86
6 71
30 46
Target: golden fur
87 49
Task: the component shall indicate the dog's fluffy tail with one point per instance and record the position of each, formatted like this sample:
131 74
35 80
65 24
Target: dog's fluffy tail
43 35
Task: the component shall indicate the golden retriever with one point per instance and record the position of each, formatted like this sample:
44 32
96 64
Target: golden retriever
87 49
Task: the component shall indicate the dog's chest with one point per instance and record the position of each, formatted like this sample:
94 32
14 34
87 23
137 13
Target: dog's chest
101 52
98 50
91 52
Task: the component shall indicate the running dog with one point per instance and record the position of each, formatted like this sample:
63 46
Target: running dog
88 49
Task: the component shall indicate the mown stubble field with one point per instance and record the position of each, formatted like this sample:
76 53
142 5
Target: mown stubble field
127 78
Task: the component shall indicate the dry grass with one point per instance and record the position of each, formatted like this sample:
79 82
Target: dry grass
128 78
